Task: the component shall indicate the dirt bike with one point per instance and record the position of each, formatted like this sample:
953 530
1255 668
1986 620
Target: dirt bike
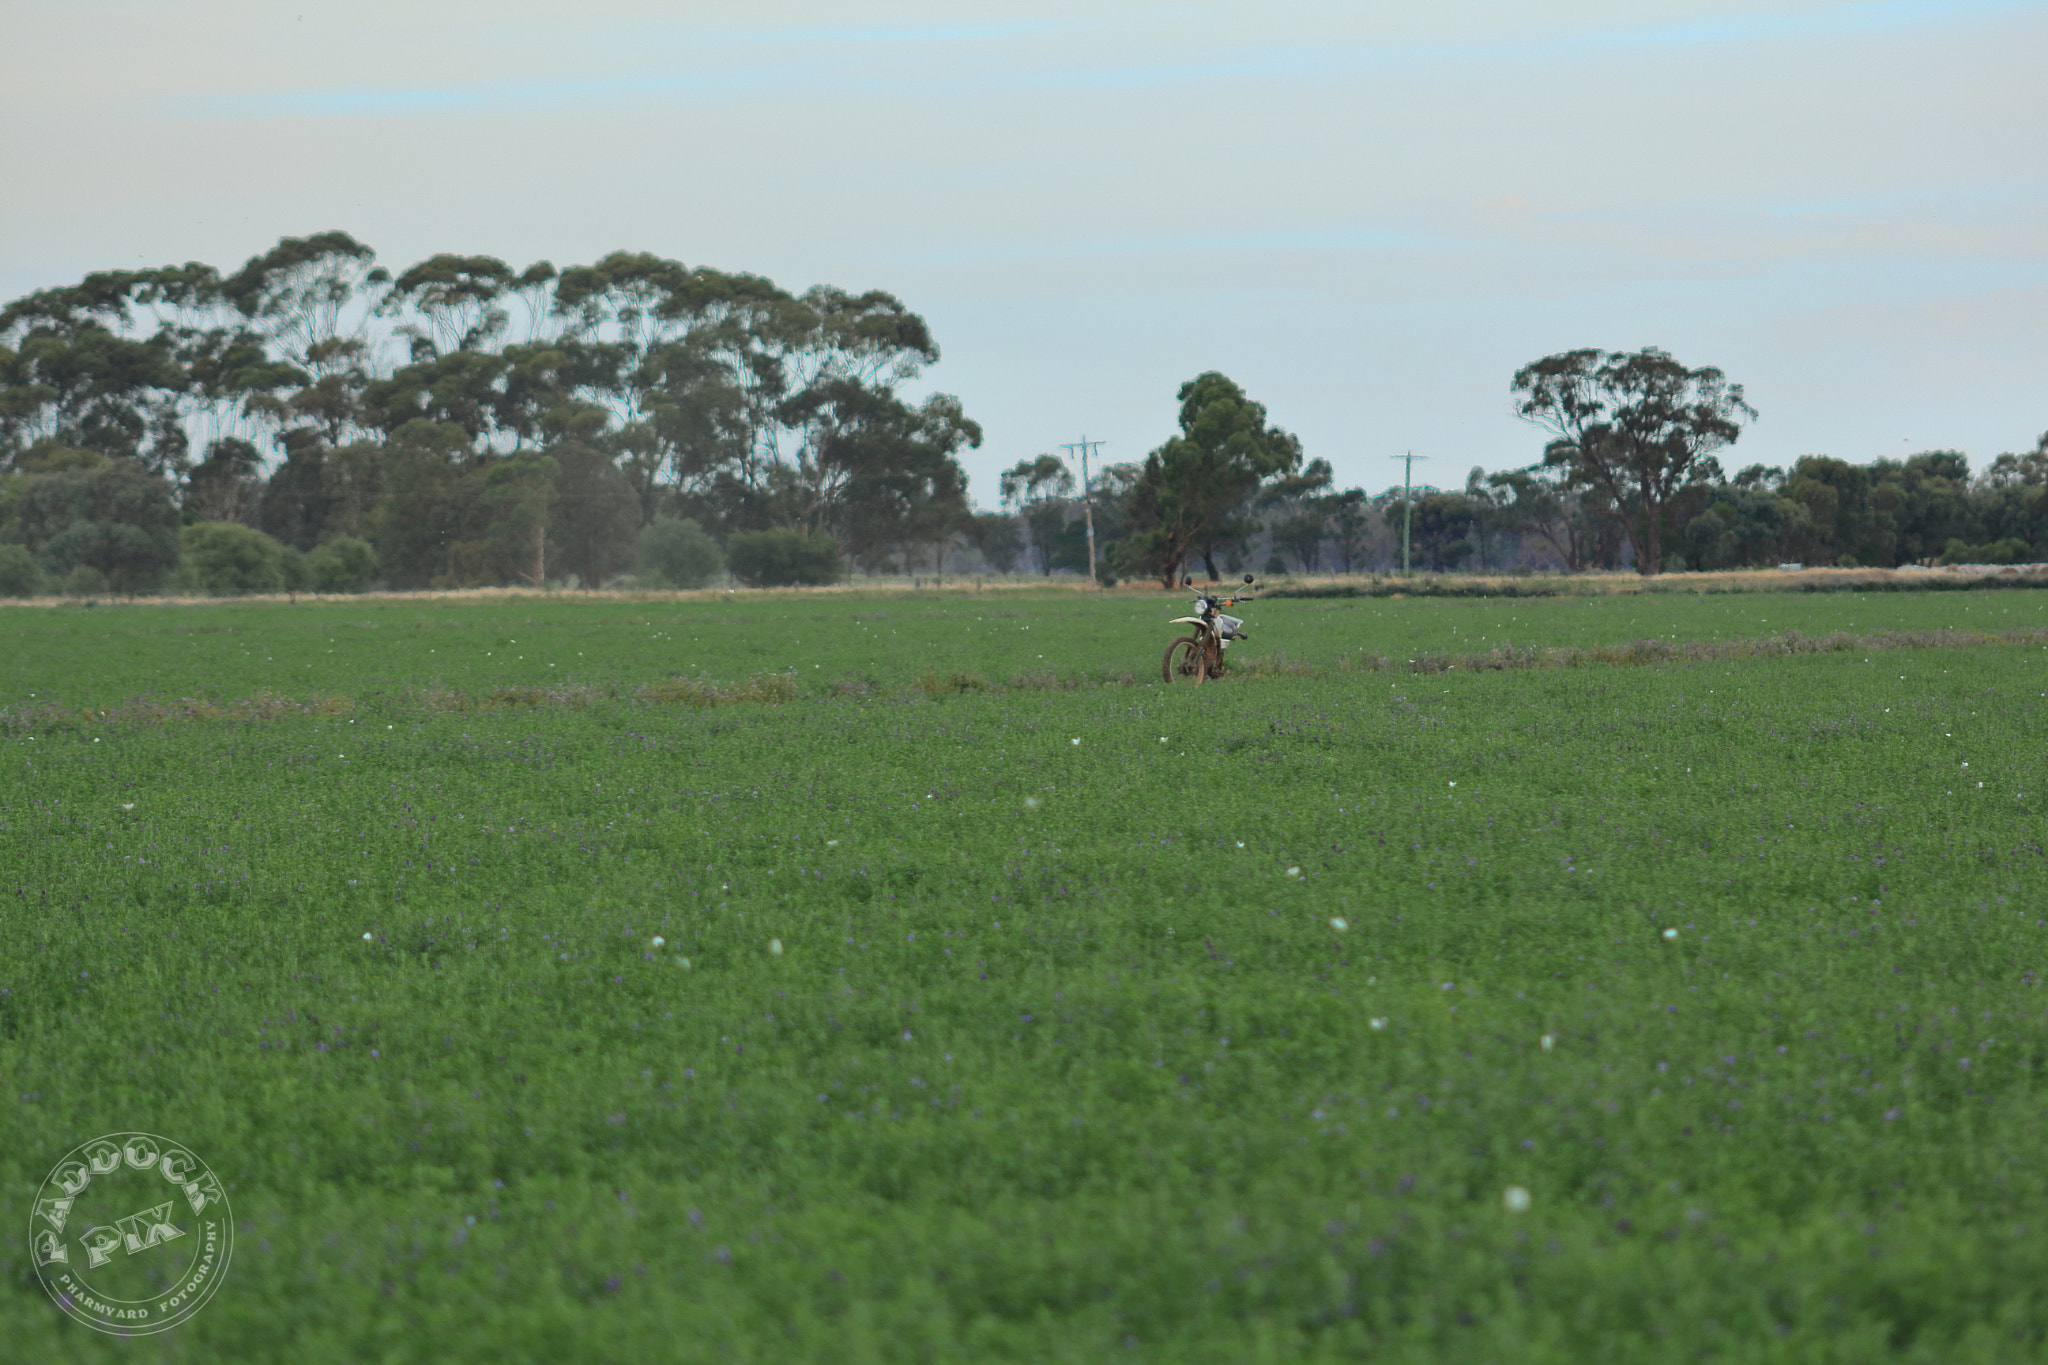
1198 657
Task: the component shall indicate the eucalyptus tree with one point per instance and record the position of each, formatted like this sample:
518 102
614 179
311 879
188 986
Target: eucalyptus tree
1297 509
311 297
1351 523
1638 425
457 300
1039 490
886 474
69 376
1188 494
1545 501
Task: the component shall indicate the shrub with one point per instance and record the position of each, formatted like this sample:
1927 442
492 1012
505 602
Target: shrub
343 564
780 559
227 557
2009 551
19 576
678 553
114 517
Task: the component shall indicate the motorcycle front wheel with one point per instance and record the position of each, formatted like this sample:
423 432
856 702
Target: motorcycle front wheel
1185 661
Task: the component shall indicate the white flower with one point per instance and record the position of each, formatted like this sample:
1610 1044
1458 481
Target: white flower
775 946
1162 739
831 843
366 938
1031 803
1670 934
684 963
1454 784
1377 1024
1339 923
1548 1042
1077 741
1240 843
660 942
130 805
1294 872
1515 1199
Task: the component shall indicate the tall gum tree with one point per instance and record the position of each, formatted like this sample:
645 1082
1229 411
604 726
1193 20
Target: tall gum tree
1638 425
1187 495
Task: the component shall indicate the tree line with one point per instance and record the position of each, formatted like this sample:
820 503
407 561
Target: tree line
1630 477
464 422
313 421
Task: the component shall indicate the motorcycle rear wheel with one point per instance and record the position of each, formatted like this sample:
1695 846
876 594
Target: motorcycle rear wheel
1185 661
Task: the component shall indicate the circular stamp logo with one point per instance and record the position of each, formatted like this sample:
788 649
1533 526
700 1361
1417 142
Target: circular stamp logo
131 1233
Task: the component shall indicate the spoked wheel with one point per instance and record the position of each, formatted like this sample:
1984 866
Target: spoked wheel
1184 661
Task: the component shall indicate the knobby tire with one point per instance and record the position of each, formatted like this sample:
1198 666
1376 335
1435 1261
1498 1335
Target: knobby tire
1184 661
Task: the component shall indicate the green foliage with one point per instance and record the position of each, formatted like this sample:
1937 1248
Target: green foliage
1184 500
1745 527
412 411
19 576
343 564
1573 520
513 512
293 506
1442 537
292 570
999 538
114 518
425 506
1300 508
2010 551
227 558
1096 1065
782 558
72 380
227 485
1639 426
676 552
84 581
1041 490
594 515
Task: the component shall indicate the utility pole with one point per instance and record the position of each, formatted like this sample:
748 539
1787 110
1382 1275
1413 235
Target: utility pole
1084 445
1407 503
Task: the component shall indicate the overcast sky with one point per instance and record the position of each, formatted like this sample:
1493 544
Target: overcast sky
1369 215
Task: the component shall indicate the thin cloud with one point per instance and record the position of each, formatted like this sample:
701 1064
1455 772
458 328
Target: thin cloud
715 62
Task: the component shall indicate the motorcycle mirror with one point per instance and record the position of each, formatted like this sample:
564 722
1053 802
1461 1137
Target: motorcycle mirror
1247 578
1188 582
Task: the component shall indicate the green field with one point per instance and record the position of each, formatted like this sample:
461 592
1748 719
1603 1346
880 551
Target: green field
101 656
1109 1020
